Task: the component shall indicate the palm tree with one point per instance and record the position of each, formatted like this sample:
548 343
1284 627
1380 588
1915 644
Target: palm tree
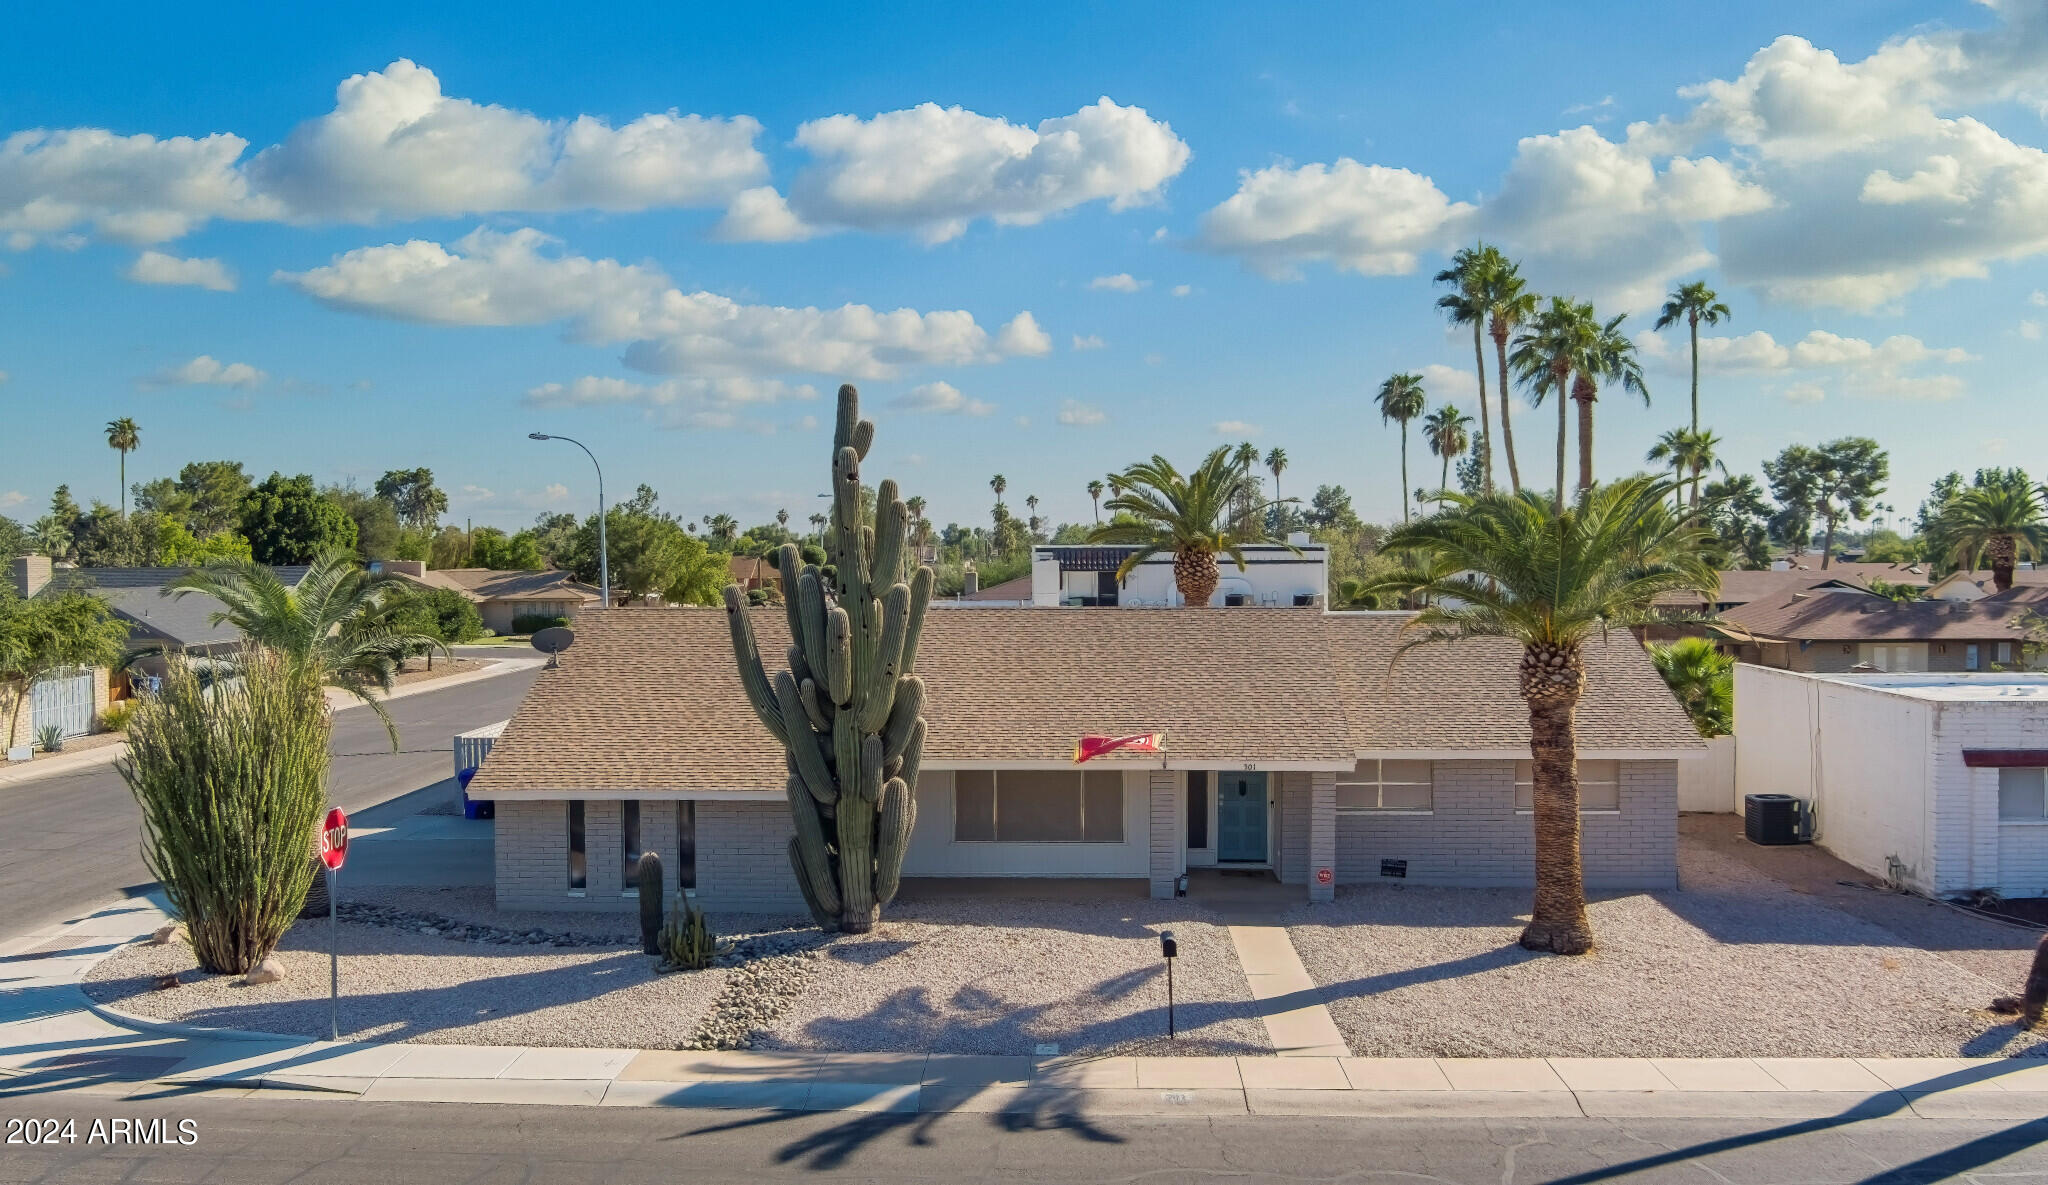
1467 305
1516 567
1693 303
999 483
337 622
1689 453
1095 497
1276 461
782 520
1448 432
915 505
1998 522
1543 359
818 522
122 434
1509 304
1703 679
1400 400
1031 504
1192 517
1609 357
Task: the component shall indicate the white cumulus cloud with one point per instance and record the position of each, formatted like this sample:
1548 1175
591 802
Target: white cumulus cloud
155 267
1363 218
208 371
684 402
1898 367
940 398
1088 342
1022 337
1120 282
1234 428
1077 414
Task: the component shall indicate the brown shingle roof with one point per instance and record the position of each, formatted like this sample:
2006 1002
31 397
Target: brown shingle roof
1741 586
649 700
1015 589
1860 617
490 584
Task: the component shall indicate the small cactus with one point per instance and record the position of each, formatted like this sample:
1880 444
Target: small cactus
51 737
647 879
686 941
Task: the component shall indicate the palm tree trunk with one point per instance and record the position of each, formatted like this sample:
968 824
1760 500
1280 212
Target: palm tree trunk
1694 320
1694 501
1585 435
1507 431
1443 481
1485 416
124 485
1559 394
1552 677
1827 549
1404 471
2004 552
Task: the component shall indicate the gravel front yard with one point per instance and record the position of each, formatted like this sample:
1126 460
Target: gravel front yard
977 976
1734 964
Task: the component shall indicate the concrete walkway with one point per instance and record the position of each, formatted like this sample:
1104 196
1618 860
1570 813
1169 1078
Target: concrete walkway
1279 984
53 1041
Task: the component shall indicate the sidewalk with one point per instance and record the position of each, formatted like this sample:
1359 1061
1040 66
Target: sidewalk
53 1040
11 775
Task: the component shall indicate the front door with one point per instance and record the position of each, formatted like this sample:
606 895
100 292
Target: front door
1240 818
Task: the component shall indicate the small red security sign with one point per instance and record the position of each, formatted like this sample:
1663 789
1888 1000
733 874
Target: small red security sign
334 839
1324 876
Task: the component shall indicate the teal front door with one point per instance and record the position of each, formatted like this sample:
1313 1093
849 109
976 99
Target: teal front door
1240 818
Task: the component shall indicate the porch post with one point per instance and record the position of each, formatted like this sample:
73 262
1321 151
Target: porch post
1322 835
1165 868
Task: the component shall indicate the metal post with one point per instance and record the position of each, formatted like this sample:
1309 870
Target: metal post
604 560
1169 997
334 961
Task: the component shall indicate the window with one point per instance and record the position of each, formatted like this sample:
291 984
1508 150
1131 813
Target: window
629 845
2020 794
1599 785
1198 809
1970 659
1386 785
1038 806
686 845
2005 652
576 868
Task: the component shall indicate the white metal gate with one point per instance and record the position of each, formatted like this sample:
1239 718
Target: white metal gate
63 698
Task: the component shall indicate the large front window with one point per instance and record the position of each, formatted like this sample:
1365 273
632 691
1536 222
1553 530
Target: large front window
1038 806
1378 784
1599 785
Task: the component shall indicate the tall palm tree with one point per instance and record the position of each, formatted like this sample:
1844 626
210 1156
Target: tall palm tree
1400 400
782 520
1693 303
1544 357
1095 496
1466 304
1276 462
818 522
123 435
1509 304
1448 432
999 483
1516 567
1609 357
337 623
1031 502
1193 517
1995 522
1690 454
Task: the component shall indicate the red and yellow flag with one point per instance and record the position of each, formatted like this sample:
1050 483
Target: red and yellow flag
1090 747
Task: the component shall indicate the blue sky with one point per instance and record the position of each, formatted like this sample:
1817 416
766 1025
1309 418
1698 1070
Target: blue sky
499 227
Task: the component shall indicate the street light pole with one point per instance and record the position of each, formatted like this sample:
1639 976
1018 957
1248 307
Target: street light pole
604 560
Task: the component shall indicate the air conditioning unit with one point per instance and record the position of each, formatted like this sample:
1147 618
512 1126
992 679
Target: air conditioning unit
1774 820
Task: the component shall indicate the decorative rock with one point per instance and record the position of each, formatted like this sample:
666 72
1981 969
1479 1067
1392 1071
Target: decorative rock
167 933
270 970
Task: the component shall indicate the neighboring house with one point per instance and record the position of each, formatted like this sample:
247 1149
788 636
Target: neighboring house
1293 742
1975 586
1933 782
1842 630
1010 594
1295 575
752 572
1743 586
500 597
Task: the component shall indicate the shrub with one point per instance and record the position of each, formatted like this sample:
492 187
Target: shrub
51 738
686 941
531 623
231 777
116 716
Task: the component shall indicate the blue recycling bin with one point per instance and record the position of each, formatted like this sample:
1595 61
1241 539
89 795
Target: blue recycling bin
474 808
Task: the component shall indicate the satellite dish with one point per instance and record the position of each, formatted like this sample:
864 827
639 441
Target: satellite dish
552 641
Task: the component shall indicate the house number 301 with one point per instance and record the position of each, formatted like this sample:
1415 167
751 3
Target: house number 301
1252 765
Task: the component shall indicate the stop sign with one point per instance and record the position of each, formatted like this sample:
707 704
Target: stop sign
334 839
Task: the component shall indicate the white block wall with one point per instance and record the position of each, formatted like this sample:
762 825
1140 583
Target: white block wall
742 859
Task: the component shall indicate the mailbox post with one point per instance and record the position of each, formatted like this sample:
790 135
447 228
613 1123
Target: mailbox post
1170 950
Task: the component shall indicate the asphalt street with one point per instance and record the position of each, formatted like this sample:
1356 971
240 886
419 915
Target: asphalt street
71 841
265 1140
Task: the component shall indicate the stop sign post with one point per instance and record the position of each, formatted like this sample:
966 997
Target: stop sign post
333 854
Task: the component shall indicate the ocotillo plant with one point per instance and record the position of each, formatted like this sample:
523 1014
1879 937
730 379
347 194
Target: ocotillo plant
846 710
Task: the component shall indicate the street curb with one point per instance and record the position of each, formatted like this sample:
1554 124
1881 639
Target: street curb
172 1028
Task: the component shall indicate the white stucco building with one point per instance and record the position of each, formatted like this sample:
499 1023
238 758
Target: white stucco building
1936 780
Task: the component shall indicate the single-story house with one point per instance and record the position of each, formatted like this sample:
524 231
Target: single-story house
502 597
752 572
1933 781
1975 586
1741 586
1294 742
1841 630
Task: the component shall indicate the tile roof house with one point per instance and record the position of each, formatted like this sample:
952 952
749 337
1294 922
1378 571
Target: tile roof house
1842 630
501 597
1294 742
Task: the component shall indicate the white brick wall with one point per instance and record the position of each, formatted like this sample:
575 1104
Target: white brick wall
1972 848
742 863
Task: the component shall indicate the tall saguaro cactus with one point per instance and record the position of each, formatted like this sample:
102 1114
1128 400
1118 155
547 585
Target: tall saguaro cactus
846 709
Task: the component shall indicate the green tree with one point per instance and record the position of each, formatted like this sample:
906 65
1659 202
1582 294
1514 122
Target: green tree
378 533
650 553
1689 453
14 538
206 496
177 547
1739 515
48 633
1836 481
1695 304
1509 304
442 614
1995 522
336 624
494 549
1157 509
1330 507
418 502
1502 566
1448 432
1703 680
106 539
125 437
1400 400
999 483
286 521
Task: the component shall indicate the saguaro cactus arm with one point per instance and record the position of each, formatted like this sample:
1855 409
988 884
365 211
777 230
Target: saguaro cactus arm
752 678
